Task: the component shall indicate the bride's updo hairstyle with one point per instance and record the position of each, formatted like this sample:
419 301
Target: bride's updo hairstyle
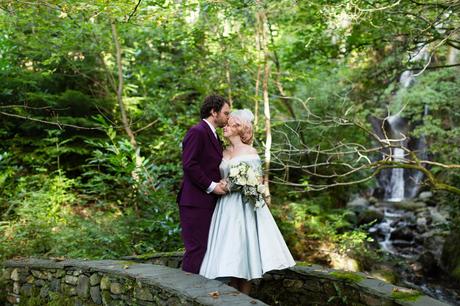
243 119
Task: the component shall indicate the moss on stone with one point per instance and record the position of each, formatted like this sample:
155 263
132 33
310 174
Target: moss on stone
128 263
60 300
3 285
56 299
158 254
385 275
303 264
349 276
406 295
31 301
456 272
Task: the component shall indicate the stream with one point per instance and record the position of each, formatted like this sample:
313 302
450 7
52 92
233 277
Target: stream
412 234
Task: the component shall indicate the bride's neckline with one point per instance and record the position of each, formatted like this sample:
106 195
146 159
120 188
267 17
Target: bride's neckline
242 155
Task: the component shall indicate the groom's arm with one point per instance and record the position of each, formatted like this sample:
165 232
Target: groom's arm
192 146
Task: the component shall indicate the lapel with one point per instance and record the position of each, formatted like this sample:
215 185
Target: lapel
212 138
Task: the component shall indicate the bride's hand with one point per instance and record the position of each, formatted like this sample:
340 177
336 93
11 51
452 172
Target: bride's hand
224 185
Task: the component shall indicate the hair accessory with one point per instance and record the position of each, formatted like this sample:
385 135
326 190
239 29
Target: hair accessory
243 114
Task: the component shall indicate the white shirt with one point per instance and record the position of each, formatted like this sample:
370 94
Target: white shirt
213 129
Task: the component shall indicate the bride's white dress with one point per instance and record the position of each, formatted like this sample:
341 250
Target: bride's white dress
243 242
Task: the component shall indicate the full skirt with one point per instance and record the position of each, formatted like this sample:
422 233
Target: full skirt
243 242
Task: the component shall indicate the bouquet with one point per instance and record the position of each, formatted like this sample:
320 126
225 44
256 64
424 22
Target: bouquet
243 178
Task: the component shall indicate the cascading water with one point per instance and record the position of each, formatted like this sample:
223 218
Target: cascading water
397 178
407 229
417 176
404 183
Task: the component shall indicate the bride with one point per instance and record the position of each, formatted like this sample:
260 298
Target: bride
244 242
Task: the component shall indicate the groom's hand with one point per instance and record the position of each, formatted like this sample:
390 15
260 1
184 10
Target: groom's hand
220 189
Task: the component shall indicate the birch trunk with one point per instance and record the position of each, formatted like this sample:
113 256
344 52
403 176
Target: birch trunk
124 117
268 133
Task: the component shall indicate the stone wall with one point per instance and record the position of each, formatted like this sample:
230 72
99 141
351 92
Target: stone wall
129 283
316 285
109 282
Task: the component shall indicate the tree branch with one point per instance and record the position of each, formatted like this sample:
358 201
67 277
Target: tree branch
134 11
58 124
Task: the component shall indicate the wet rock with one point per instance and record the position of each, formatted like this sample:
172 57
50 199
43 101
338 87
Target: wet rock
369 216
422 225
437 217
358 204
451 254
410 206
351 217
402 233
402 244
429 264
373 200
425 195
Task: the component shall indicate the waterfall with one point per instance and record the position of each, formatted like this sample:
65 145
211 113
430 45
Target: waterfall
397 178
404 183
395 189
422 154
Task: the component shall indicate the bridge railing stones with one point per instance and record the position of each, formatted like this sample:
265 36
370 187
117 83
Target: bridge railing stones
111 282
316 285
159 282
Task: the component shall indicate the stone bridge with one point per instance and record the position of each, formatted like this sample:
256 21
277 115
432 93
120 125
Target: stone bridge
156 280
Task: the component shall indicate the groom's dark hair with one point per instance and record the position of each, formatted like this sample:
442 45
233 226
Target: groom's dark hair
212 102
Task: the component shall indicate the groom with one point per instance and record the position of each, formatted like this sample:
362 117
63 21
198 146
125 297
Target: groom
201 186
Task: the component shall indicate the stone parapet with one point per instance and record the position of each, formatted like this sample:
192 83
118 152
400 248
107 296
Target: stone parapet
110 282
159 282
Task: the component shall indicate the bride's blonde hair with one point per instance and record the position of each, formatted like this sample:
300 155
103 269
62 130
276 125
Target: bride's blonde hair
243 119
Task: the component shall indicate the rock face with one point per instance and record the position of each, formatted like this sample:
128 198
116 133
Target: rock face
410 229
147 284
414 232
451 254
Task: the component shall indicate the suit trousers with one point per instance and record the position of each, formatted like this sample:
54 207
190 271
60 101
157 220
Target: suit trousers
195 223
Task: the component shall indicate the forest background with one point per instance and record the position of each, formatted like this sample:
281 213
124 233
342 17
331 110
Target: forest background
96 96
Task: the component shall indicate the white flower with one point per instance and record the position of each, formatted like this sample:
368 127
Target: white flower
244 179
261 189
234 171
252 178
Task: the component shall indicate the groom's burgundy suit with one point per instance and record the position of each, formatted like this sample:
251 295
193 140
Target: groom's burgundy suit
201 156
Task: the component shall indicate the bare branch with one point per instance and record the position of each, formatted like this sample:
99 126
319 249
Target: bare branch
58 124
134 11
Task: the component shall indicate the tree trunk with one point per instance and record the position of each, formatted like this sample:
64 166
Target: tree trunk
119 89
124 117
268 132
229 82
259 71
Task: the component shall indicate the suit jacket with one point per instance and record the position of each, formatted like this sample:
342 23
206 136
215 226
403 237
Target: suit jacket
201 156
